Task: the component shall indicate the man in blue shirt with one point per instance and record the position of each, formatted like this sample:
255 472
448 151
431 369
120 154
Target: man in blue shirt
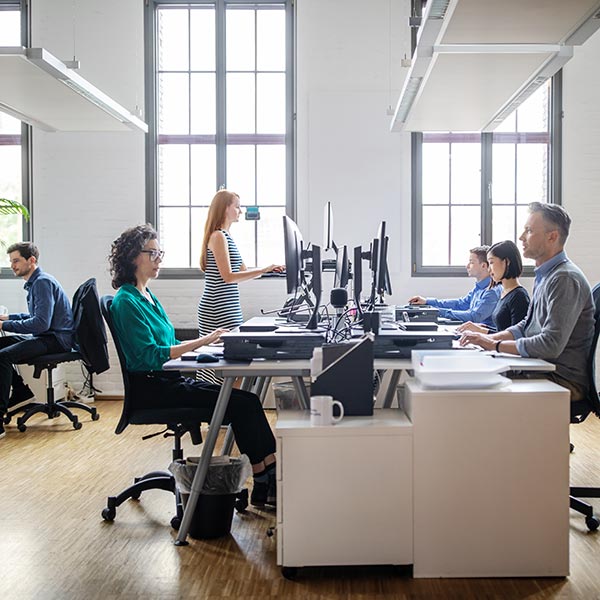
479 304
46 329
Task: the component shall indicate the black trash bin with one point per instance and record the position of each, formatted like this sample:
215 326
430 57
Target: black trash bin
213 515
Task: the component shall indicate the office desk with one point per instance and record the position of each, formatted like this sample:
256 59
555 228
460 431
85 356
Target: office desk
229 371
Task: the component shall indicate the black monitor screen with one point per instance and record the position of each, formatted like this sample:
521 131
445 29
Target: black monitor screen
327 227
292 239
342 270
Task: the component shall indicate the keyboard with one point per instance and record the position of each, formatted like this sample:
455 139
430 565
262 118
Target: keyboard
273 274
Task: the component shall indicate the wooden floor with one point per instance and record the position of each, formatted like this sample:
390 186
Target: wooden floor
54 544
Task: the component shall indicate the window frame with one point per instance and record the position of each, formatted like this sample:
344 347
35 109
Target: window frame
25 137
554 187
151 88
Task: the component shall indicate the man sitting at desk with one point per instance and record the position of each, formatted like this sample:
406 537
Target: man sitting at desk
479 304
46 329
560 322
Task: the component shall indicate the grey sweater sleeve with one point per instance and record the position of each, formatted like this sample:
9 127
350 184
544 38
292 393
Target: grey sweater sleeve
564 303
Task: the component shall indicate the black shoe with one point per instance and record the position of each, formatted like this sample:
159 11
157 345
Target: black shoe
2 432
19 399
258 497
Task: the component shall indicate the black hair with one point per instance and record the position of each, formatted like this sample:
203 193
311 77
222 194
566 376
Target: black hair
125 249
508 251
25 249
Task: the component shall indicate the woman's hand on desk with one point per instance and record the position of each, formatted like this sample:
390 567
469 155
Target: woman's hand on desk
273 269
212 337
478 339
470 326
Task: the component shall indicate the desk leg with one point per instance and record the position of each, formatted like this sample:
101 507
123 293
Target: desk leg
207 450
390 390
301 392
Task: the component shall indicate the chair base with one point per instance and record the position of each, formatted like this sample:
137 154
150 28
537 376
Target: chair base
53 410
587 510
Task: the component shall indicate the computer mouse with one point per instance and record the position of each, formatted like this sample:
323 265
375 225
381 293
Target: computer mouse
204 357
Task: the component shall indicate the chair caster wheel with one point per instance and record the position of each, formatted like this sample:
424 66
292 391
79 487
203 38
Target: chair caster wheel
271 532
176 523
21 427
7 420
95 416
241 501
592 523
109 514
76 425
289 572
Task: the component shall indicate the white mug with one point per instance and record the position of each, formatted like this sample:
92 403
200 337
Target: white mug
3 310
321 411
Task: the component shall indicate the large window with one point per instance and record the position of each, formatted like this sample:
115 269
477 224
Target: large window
13 137
471 189
220 115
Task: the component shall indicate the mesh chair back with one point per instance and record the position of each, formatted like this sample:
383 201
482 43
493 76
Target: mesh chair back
593 399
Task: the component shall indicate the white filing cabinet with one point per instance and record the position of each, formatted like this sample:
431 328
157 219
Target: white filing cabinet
491 480
344 491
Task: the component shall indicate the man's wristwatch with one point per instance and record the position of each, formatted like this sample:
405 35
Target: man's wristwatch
498 346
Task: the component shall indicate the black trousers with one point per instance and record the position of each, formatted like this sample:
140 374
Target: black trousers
15 349
245 413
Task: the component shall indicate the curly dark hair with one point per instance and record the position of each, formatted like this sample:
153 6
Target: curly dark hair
125 249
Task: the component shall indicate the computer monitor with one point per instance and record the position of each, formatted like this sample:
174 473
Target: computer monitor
328 243
381 275
292 240
357 277
298 262
342 268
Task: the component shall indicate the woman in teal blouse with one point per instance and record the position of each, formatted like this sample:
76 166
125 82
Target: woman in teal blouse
147 337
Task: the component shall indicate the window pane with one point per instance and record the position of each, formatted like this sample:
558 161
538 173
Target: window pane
271 175
270 237
9 125
240 103
199 216
503 173
270 103
204 174
436 174
435 235
466 173
202 41
11 226
270 44
241 172
532 115
465 227
173 40
174 174
174 236
203 103
532 173
240 40
10 28
503 223
244 236
173 103
509 124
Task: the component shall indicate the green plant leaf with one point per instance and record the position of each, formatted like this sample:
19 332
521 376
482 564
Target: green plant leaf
11 207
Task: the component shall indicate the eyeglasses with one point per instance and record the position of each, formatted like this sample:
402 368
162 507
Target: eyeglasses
154 254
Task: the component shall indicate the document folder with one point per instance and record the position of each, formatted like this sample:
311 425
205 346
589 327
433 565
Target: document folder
348 376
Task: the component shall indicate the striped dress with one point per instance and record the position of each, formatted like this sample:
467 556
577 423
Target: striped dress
220 303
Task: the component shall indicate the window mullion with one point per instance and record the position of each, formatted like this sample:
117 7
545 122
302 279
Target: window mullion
221 93
486 188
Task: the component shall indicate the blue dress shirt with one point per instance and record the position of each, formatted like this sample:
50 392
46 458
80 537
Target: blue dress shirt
477 306
49 310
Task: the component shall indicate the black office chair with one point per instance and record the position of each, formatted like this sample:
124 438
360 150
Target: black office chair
177 420
579 412
91 350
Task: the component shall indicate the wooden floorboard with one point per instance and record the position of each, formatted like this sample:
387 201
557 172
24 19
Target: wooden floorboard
54 544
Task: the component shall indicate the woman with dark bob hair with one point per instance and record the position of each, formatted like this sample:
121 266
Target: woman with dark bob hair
148 341
506 266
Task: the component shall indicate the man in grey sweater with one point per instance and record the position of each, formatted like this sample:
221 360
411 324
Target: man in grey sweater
560 322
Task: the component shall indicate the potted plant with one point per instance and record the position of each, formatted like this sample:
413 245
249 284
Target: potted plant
11 207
